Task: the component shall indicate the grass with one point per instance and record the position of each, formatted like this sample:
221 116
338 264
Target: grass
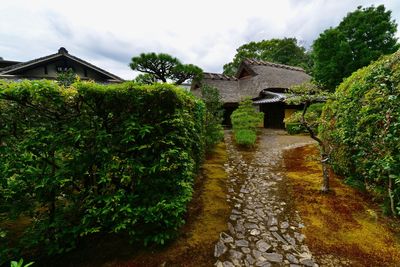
344 223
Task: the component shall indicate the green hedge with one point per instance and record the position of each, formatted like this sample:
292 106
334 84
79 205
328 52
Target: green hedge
362 125
95 159
245 120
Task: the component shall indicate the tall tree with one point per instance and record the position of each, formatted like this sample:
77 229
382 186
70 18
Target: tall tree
285 51
363 36
331 53
164 68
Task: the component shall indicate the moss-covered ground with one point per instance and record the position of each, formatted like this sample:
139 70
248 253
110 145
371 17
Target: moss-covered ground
344 223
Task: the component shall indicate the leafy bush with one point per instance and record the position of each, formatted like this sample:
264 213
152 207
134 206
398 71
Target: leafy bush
95 159
245 120
362 125
214 116
246 137
293 123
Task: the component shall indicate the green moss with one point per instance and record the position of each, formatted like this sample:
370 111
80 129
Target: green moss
343 223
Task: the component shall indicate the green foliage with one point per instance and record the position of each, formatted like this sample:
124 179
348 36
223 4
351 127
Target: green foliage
20 263
294 128
362 125
66 78
294 125
145 78
284 51
93 159
363 36
245 120
163 67
214 116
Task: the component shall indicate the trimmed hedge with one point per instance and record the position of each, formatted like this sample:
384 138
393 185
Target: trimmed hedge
245 120
362 125
95 158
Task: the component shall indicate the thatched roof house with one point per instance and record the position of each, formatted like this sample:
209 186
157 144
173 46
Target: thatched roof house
263 81
48 67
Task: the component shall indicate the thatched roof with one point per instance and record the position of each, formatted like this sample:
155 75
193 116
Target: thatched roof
252 78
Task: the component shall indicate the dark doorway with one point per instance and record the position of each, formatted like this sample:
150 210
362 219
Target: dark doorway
274 113
228 110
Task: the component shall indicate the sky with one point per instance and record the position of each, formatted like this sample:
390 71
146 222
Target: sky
205 33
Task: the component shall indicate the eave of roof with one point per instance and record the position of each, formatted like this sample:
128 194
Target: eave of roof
62 53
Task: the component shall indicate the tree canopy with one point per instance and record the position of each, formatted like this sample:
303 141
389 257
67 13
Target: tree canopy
163 68
283 51
361 37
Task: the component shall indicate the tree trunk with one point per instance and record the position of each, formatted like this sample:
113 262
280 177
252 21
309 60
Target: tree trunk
390 193
324 156
325 173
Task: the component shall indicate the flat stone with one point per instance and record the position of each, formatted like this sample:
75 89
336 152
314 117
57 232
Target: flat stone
228 264
260 261
255 232
246 250
220 249
226 238
219 264
231 229
235 254
272 221
242 243
240 228
307 262
279 238
250 226
256 253
274 257
262 245
250 259
284 225
273 229
292 258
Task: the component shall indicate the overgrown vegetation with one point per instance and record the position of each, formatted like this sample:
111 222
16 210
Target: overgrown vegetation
362 124
93 158
214 116
245 120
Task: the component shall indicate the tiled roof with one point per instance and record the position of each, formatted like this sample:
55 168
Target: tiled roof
62 52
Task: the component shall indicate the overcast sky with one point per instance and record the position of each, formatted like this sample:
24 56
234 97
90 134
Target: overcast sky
205 33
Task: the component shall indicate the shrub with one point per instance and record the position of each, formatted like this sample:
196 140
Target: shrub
362 126
245 120
214 116
95 159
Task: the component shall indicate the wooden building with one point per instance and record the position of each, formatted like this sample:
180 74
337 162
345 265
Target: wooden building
264 82
50 66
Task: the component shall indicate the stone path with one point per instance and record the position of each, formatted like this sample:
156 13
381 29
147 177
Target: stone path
264 229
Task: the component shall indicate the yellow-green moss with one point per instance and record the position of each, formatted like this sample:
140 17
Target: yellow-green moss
343 223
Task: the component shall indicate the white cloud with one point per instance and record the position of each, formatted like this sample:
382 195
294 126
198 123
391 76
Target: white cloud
205 33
